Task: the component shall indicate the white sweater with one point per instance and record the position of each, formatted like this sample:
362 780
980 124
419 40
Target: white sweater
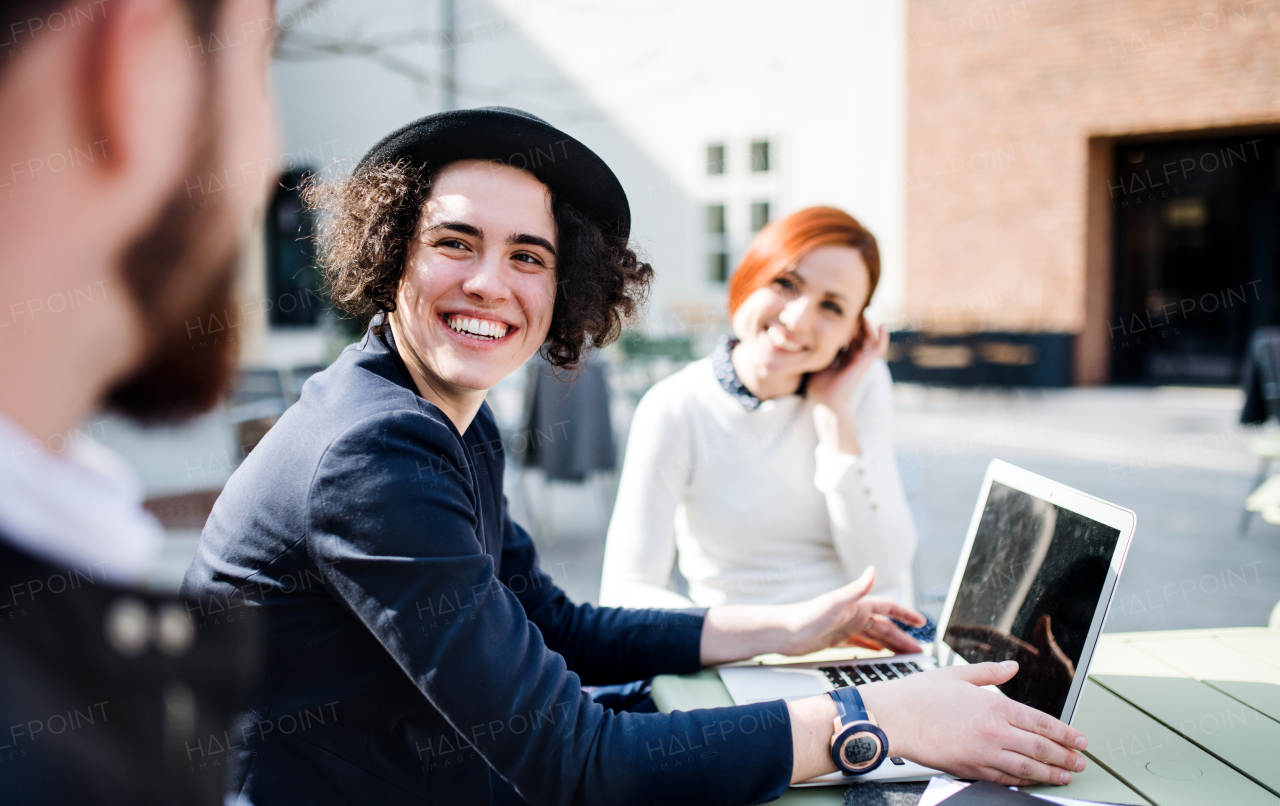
756 512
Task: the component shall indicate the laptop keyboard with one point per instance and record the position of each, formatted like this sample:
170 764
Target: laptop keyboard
843 676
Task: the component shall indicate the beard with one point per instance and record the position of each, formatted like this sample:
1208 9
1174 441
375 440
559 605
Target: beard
179 271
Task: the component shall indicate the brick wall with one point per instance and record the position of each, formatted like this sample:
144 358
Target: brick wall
1011 113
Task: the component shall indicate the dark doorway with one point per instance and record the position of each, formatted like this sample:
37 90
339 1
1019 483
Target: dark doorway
295 289
1197 223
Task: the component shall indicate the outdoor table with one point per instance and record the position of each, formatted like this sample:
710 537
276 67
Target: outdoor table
1179 717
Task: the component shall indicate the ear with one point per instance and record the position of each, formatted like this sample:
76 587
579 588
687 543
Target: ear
142 88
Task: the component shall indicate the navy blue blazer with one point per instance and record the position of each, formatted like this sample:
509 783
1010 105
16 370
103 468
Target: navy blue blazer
416 653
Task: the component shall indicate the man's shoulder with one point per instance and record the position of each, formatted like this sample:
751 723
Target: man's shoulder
380 440
118 652
360 397
365 379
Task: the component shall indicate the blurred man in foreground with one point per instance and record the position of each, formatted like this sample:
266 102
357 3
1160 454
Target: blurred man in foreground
110 113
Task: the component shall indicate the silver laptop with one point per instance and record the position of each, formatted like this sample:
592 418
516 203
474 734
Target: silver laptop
1033 583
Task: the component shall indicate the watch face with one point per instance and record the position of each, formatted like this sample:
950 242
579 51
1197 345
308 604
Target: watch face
861 749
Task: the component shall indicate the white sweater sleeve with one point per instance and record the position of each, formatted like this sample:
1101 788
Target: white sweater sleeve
640 550
870 520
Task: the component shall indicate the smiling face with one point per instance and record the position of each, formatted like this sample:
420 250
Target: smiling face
475 299
798 323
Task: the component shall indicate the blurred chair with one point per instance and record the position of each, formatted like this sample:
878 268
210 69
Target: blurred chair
184 510
1274 621
1265 500
260 396
258 400
1262 404
635 345
568 431
647 360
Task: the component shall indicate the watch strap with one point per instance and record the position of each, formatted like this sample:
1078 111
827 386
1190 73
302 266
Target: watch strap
849 704
858 745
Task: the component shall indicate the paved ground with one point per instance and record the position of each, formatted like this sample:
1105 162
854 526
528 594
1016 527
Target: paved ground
1174 456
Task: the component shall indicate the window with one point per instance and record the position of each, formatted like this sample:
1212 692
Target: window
715 219
717 244
718 267
715 159
760 156
759 215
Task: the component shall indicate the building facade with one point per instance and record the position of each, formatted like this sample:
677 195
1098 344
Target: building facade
717 116
1061 191
1092 189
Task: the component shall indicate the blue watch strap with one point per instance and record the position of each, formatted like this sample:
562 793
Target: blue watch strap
858 746
849 704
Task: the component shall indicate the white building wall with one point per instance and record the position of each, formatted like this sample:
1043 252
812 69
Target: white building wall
648 85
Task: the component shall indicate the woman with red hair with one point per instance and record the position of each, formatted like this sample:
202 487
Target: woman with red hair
767 470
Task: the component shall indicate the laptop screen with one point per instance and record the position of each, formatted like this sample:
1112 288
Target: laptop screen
1029 593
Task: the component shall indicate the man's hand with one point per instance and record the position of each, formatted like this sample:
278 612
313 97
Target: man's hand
1043 663
942 719
844 617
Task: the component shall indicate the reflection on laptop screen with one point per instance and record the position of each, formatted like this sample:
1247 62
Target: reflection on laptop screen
1029 593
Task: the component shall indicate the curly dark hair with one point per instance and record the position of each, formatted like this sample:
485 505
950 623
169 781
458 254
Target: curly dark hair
367 221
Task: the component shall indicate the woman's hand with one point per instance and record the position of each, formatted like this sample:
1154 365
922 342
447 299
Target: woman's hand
832 389
835 385
945 720
844 617
849 617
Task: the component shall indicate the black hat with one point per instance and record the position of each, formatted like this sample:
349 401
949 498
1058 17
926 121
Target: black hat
502 134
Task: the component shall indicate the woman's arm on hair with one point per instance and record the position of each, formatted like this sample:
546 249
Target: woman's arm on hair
641 547
871 523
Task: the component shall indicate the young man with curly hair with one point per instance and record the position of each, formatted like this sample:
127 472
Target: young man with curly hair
417 653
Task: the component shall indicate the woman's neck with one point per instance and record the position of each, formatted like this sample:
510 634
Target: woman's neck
759 382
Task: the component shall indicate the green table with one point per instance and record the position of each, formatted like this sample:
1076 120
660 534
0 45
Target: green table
1180 718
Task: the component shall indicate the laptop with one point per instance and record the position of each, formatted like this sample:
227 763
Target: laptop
1035 577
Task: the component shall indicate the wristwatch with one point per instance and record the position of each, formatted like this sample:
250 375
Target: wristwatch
858 745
